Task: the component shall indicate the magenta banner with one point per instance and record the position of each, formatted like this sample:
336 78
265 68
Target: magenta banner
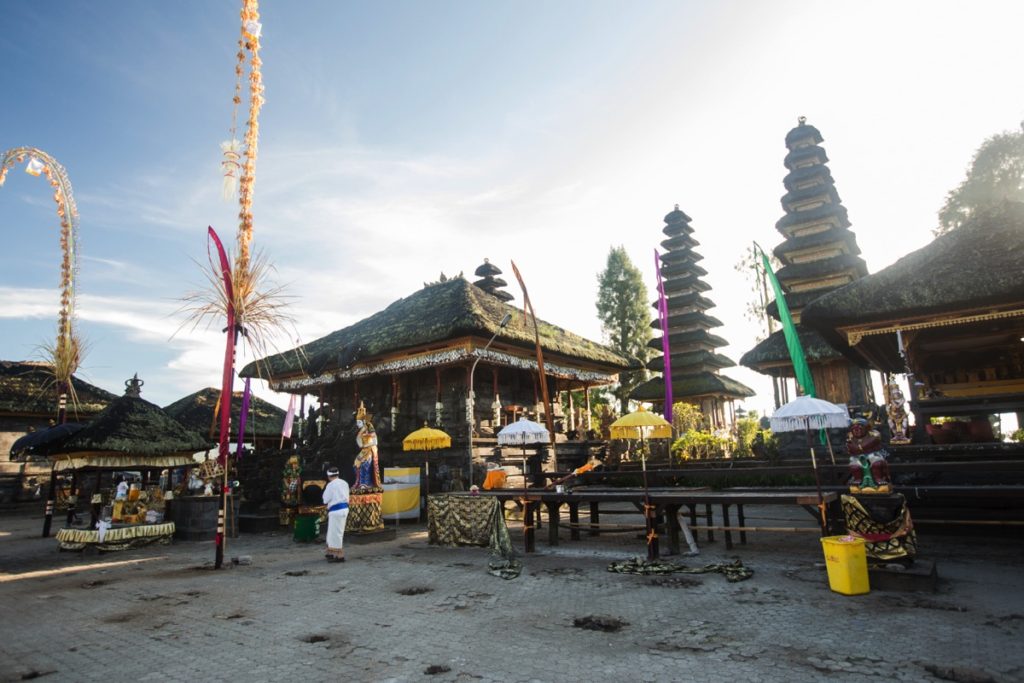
663 317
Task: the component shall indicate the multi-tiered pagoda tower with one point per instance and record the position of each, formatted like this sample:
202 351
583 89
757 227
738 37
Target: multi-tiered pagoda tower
694 361
490 282
819 253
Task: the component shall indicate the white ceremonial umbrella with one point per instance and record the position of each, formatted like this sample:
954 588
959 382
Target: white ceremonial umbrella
523 433
807 412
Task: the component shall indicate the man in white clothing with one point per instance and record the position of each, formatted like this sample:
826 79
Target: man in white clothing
336 500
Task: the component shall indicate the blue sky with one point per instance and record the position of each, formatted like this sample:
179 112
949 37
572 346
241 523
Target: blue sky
403 139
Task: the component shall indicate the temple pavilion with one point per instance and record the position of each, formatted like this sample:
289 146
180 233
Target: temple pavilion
951 315
416 360
819 253
694 360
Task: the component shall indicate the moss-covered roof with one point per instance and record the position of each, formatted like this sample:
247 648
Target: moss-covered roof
975 266
774 350
436 313
692 386
134 425
28 387
195 411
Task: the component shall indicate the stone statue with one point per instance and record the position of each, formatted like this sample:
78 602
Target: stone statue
895 408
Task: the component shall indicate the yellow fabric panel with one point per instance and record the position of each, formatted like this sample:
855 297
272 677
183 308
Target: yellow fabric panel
400 500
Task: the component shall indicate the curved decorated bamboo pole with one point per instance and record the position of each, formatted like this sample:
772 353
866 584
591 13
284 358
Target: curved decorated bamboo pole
66 352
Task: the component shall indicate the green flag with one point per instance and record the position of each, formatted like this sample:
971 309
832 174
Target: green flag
796 351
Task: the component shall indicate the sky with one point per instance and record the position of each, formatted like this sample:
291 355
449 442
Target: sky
404 139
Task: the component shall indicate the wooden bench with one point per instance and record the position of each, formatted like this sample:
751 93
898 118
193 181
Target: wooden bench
666 503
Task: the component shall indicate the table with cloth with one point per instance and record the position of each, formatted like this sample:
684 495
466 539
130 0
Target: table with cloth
116 538
464 519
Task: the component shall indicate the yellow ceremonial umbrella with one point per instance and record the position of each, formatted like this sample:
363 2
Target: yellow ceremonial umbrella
642 425
426 439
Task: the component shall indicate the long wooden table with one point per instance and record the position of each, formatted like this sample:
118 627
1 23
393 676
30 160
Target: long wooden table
667 502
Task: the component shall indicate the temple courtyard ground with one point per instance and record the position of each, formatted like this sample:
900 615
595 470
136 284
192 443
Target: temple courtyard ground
403 610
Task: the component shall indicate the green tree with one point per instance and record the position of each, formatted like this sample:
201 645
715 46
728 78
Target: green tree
996 174
624 311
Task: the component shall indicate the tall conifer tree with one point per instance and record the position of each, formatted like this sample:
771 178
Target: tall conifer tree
625 318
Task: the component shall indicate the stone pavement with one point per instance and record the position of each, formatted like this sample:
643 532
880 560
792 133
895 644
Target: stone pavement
403 610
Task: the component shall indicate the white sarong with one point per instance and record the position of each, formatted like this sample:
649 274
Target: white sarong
336 531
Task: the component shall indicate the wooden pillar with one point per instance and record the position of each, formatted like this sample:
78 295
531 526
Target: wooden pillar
586 397
50 502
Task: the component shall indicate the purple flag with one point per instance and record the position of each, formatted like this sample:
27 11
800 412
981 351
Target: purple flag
286 430
241 418
663 317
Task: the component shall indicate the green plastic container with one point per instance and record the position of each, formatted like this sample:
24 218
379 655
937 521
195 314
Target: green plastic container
307 527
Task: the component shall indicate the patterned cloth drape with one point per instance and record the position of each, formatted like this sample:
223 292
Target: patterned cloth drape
886 539
364 511
116 539
468 520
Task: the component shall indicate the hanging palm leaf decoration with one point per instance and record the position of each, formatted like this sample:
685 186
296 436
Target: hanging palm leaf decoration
65 353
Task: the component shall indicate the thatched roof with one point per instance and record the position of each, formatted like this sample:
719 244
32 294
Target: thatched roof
814 215
691 319
822 267
196 412
692 386
132 426
689 359
27 387
436 313
976 266
801 155
802 194
799 176
803 131
816 239
689 337
773 349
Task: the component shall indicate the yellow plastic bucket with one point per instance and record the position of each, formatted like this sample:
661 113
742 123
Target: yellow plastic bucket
847 564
